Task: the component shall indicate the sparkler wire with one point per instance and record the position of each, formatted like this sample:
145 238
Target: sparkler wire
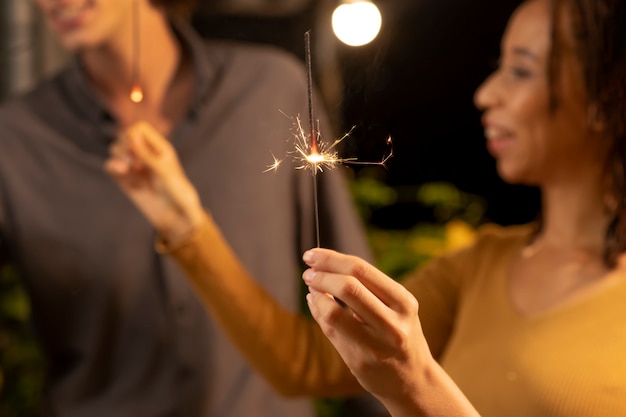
310 151
136 92
309 73
313 138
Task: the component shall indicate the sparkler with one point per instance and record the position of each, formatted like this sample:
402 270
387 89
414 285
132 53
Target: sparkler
310 152
136 92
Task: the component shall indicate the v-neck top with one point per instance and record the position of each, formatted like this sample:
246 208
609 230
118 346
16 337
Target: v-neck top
564 362
568 362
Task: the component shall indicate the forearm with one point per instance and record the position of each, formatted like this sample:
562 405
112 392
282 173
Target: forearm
290 351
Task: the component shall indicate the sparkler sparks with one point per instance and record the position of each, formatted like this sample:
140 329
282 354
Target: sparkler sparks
325 155
274 166
310 151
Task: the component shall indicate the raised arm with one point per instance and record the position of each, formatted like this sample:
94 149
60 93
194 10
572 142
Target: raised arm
379 336
288 349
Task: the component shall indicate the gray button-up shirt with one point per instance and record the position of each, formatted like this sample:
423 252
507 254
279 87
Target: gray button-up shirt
123 331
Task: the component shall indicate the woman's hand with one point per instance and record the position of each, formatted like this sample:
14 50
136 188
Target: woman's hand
146 167
377 332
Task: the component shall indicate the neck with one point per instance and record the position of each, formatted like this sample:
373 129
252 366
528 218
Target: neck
112 67
574 213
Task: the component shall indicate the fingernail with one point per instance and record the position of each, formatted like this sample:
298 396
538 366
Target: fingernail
308 275
307 256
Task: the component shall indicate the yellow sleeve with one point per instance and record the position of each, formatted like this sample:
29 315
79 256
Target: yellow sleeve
288 349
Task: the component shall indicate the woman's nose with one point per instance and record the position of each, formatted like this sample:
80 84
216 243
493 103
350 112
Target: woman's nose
486 95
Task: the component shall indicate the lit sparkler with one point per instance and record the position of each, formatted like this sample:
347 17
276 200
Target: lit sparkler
136 92
310 152
324 155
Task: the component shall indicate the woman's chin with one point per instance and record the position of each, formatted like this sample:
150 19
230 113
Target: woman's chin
513 176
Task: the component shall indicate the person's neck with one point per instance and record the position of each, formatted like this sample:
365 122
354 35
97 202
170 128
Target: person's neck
574 213
111 67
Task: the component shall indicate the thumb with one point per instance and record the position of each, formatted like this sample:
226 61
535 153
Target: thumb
149 146
154 151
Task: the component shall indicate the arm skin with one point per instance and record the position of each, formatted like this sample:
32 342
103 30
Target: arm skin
379 336
288 349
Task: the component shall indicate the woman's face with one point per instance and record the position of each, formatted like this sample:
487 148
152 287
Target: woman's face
83 24
533 143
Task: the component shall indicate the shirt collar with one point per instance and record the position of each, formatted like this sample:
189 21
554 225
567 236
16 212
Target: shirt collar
205 67
86 102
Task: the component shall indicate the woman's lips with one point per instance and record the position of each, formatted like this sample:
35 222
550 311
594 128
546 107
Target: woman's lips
498 139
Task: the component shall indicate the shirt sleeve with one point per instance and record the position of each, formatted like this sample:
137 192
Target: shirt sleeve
288 349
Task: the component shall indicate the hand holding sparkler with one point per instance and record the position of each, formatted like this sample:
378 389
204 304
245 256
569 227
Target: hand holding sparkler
146 167
378 333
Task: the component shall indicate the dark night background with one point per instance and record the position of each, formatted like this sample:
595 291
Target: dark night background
415 82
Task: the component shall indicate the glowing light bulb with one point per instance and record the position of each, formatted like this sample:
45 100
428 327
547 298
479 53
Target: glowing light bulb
356 23
136 94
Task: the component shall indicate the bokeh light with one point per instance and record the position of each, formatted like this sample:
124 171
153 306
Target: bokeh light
356 23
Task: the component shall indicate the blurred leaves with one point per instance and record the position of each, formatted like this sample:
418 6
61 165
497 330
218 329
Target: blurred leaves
452 218
21 362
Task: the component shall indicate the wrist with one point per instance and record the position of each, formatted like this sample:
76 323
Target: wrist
183 220
430 393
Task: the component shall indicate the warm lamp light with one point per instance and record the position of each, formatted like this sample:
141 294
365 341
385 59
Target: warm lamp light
356 23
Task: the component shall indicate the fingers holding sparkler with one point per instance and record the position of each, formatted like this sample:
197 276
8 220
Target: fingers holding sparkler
377 330
147 169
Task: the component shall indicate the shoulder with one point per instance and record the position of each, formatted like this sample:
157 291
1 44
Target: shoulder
263 55
493 245
11 107
491 242
256 60
260 80
14 115
30 117
489 252
17 110
498 236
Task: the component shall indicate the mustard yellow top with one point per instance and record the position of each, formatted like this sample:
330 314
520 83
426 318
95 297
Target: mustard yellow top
568 362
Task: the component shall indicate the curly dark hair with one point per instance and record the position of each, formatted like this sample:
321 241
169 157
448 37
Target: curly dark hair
599 29
182 8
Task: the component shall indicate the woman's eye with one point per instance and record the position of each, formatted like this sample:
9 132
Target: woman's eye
519 72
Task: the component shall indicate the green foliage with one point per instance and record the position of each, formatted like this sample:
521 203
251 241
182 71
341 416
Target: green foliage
454 215
450 203
21 362
330 407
